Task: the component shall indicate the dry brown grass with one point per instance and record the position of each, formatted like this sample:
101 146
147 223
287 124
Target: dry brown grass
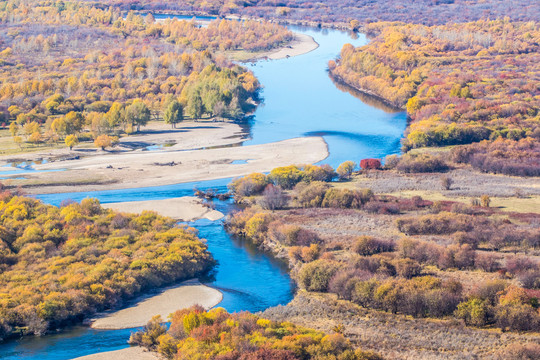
466 183
397 336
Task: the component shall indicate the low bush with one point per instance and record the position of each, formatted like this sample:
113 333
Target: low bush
502 156
368 245
421 163
312 194
316 275
370 164
273 198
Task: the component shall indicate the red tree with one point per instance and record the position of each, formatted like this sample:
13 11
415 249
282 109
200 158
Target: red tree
369 164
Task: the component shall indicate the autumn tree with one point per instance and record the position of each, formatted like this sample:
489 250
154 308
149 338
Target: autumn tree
71 141
345 170
138 114
13 129
174 113
104 141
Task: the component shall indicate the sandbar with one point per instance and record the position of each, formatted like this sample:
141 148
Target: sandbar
187 208
301 44
182 296
130 353
168 167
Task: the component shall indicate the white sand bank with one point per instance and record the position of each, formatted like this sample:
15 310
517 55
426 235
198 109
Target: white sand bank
130 353
187 294
187 208
154 168
301 44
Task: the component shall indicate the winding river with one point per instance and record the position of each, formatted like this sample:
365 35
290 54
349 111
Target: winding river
299 100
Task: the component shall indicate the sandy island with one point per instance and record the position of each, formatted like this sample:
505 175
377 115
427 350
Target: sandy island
130 353
185 295
187 208
135 169
301 44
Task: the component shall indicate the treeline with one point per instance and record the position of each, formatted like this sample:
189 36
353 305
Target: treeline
224 35
218 335
426 12
70 68
61 265
429 70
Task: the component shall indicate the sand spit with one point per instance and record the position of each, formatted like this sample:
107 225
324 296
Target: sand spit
130 353
187 208
187 294
301 44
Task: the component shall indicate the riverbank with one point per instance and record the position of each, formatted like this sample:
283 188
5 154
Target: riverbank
167 167
339 80
130 353
157 135
187 208
183 296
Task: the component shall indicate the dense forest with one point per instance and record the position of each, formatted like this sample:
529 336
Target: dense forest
70 69
460 84
424 12
437 266
61 265
195 334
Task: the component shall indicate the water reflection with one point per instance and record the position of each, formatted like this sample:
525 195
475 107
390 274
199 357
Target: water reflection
367 99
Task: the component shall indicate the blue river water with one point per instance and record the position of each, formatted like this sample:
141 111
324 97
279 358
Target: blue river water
299 100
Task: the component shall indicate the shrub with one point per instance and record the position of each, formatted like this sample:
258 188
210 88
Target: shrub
273 198
487 262
318 173
457 256
529 351
475 311
442 223
503 156
530 279
370 164
311 195
256 227
518 317
368 245
249 185
490 291
485 200
421 163
391 161
345 170
381 207
517 264
311 252
345 198
315 276
446 182
148 336
407 268
286 177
